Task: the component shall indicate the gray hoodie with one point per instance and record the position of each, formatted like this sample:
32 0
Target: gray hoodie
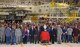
18 32
69 30
2 29
59 31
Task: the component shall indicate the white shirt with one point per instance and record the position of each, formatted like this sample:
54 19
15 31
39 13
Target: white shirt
69 30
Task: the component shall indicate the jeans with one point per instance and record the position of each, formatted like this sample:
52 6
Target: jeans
18 39
28 38
70 38
36 39
79 38
2 38
64 38
59 39
31 39
54 39
13 39
8 39
75 39
25 39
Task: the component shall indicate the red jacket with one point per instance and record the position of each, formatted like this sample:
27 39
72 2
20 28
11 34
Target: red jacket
45 35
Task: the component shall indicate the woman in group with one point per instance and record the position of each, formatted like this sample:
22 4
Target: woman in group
25 34
45 36
79 36
75 34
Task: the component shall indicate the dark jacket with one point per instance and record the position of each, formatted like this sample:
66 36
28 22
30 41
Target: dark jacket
31 32
36 32
54 32
75 31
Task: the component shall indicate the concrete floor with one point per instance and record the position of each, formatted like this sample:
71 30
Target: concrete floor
39 45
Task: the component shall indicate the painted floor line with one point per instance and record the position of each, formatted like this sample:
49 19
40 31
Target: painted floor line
69 45
22 45
46 45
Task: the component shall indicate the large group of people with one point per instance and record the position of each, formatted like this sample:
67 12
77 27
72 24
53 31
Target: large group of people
16 33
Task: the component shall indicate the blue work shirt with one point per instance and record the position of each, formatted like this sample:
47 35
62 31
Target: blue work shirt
64 30
8 31
13 32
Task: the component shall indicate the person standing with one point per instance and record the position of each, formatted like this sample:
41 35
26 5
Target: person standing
13 37
31 33
18 34
64 34
28 36
69 32
2 36
49 30
40 28
75 34
45 36
8 34
59 33
25 34
79 36
54 34
36 35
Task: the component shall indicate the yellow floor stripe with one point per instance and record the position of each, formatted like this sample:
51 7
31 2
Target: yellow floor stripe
21 45
46 45
69 45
